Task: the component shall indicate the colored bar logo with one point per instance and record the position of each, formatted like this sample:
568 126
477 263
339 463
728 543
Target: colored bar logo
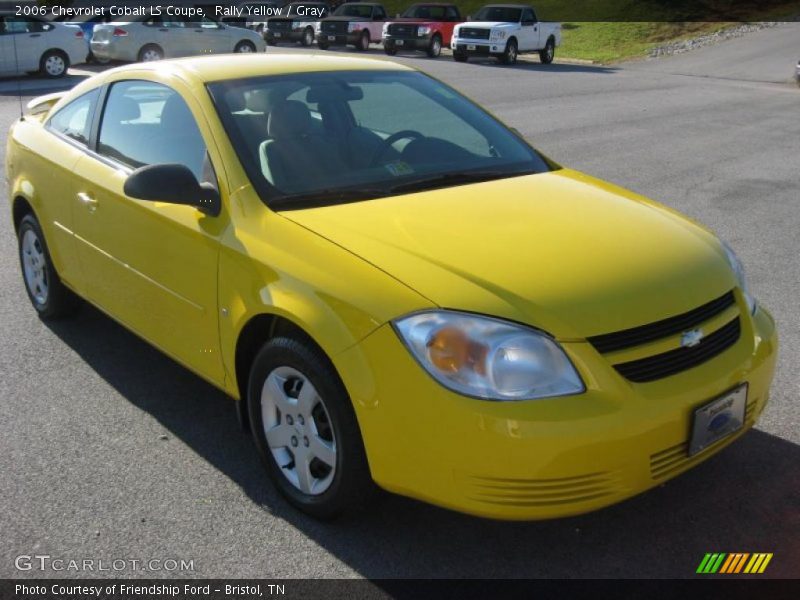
733 563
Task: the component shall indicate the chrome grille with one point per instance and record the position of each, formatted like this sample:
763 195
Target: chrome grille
474 33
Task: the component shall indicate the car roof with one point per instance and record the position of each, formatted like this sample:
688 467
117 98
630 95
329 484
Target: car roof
205 69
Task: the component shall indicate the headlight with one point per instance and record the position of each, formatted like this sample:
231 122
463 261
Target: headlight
424 30
738 271
318 26
353 27
496 36
488 358
385 28
300 24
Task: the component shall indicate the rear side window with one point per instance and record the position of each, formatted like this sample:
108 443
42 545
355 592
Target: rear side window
146 123
75 119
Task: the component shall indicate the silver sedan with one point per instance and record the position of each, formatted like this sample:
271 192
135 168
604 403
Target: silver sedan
157 37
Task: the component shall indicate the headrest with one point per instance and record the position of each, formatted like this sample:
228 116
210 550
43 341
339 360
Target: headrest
333 92
176 115
290 118
122 109
258 101
235 100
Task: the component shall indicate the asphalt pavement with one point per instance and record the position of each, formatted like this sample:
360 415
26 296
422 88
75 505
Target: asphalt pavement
111 451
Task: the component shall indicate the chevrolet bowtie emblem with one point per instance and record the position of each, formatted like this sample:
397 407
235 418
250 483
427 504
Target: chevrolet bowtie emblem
691 338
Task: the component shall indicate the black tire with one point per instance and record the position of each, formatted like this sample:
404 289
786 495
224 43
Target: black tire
435 47
548 53
363 42
460 57
56 300
390 49
308 37
245 47
351 486
272 43
509 56
150 52
53 64
323 45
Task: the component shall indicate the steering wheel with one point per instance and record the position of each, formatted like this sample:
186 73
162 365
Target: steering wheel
388 142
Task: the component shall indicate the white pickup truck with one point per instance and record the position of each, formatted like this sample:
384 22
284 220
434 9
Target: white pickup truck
505 31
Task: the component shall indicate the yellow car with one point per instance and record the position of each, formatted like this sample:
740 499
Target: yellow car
397 289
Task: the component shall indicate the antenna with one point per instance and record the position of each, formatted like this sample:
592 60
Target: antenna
19 76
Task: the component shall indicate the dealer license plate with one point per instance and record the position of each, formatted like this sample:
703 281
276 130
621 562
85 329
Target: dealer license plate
470 46
277 34
718 419
399 42
331 38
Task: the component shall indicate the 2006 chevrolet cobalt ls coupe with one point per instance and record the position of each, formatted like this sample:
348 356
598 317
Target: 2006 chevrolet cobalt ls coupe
397 289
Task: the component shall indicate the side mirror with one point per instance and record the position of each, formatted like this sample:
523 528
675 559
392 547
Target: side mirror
175 184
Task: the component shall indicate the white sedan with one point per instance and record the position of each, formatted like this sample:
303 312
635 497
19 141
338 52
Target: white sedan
157 37
29 45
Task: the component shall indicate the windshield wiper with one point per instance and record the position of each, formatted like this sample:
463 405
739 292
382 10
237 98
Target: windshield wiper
457 178
325 197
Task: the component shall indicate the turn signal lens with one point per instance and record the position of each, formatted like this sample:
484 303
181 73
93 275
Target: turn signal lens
119 32
488 358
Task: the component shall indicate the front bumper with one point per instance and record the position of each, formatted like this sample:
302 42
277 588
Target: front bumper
406 43
543 458
478 47
339 39
288 35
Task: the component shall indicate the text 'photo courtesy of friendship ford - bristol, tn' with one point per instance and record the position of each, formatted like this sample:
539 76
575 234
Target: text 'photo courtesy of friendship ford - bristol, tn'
397 290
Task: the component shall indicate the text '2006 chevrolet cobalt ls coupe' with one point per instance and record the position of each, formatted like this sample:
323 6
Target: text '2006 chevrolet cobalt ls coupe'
397 289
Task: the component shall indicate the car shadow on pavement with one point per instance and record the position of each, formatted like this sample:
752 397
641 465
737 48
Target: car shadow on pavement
33 85
746 499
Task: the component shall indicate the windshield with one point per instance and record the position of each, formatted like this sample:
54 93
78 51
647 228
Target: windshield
425 11
499 13
354 10
332 137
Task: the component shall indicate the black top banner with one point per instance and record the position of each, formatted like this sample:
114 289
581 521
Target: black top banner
547 10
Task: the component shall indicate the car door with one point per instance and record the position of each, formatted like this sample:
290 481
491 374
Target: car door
529 31
216 38
151 265
376 26
27 45
6 50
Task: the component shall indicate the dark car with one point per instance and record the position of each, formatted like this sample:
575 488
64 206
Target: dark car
356 24
298 24
425 27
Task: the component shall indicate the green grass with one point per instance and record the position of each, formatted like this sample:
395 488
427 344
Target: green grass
605 38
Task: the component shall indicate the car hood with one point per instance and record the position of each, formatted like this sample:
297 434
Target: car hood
561 251
345 18
485 24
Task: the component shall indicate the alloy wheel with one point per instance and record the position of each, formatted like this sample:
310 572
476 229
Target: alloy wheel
35 267
55 65
298 430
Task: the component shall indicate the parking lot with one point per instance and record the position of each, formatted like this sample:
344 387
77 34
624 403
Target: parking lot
112 451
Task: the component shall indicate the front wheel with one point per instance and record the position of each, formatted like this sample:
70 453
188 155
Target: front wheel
460 56
323 45
435 48
54 64
548 53
49 296
305 429
245 47
390 50
363 42
509 56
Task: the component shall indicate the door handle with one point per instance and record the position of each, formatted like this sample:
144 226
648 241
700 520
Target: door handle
165 30
536 28
89 202
33 35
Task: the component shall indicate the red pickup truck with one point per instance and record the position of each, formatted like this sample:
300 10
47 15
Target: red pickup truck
423 27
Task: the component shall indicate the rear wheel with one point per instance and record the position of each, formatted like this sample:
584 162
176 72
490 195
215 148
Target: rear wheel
509 56
435 48
53 64
151 53
548 53
49 296
305 429
245 47
308 37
